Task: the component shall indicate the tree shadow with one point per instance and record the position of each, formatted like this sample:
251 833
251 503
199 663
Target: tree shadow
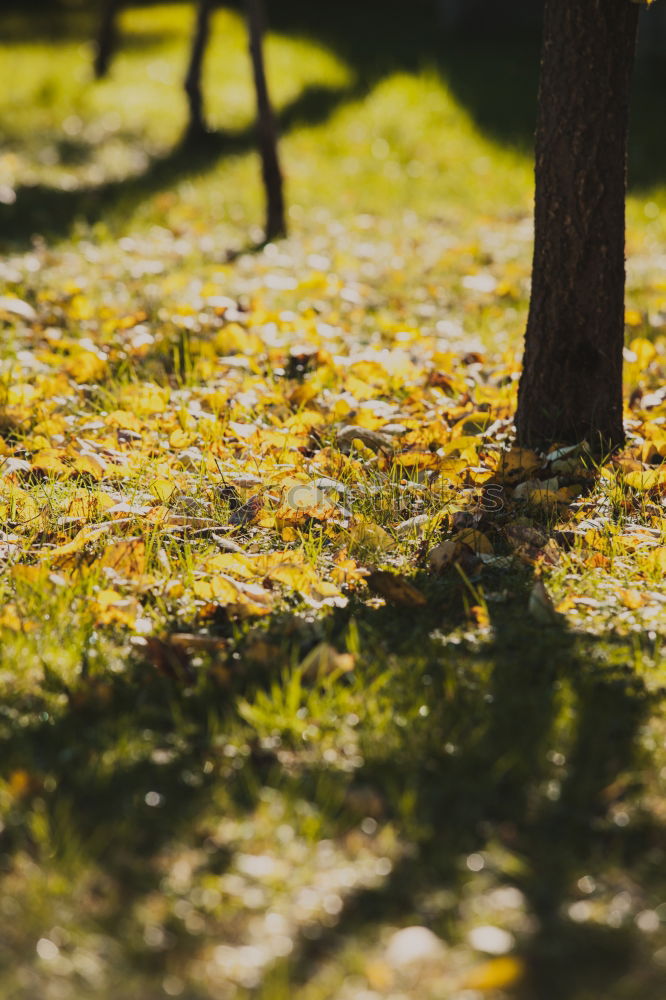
52 212
495 83
528 747
531 754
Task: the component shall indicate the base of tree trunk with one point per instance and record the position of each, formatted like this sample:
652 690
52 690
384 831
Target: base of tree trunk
571 386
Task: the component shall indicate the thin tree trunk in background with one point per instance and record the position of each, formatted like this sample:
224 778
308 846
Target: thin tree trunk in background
266 125
571 387
105 42
197 124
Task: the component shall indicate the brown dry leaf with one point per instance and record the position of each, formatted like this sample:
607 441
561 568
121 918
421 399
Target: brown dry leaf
396 589
168 659
444 555
597 560
205 643
249 512
519 534
258 650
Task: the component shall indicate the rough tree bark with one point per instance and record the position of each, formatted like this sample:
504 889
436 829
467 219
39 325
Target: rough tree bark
196 127
266 125
105 42
571 387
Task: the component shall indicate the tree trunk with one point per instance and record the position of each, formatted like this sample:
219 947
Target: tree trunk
571 387
105 42
266 125
196 127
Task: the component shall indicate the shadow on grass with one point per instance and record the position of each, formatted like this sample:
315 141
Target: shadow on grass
52 212
528 747
496 83
481 776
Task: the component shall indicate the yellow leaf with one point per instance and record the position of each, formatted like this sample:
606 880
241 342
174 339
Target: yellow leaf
9 618
219 590
87 505
496 974
476 540
124 420
20 783
480 615
181 439
632 317
417 459
230 562
60 555
127 556
644 350
518 464
86 366
90 465
368 535
655 561
163 489
347 571
17 504
472 423
646 479
111 608
50 464
145 399
631 599
33 576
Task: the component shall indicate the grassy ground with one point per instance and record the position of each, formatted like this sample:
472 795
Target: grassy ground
238 757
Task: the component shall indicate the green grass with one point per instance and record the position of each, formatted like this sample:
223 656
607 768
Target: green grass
247 816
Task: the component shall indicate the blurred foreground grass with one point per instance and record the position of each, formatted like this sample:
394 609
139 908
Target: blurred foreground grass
229 773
